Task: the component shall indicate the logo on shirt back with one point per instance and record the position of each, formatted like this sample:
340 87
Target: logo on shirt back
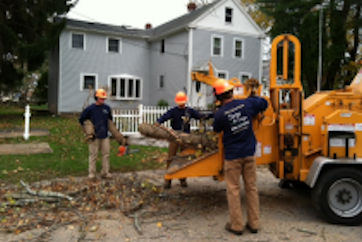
238 122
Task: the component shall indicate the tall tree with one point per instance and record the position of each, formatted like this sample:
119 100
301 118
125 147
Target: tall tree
300 17
27 31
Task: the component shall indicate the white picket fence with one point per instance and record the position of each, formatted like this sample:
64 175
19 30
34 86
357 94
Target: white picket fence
127 120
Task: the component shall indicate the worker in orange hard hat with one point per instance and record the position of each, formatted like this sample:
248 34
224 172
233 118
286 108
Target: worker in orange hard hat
234 119
180 116
99 114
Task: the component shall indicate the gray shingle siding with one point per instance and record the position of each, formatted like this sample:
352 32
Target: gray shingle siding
96 60
172 65
202 53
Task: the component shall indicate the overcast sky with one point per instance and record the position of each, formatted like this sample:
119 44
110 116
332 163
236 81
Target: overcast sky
135 13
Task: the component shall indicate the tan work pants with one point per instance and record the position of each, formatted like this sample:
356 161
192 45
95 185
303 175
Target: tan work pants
247 168
94 147
172 151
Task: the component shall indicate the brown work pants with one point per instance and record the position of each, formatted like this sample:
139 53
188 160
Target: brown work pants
247 168
94 147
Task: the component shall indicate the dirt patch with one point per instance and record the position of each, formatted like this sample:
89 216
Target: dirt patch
196 213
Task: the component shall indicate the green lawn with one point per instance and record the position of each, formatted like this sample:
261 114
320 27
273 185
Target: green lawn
70 152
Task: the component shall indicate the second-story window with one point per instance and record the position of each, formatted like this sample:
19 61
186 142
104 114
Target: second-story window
77 40
114 45
228 15
217 45
238 48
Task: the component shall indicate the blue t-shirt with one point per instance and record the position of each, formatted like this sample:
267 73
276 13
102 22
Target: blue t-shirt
235 119
176 116
99 116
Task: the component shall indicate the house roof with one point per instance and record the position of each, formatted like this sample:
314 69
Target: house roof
182 21
106 28
157 32
154 33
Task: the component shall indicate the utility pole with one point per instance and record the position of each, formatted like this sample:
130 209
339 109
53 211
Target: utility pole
319 73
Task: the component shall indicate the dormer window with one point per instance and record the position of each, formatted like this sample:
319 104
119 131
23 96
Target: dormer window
228 15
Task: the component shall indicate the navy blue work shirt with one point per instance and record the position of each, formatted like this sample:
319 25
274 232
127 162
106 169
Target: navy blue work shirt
99 116
176 115
235 119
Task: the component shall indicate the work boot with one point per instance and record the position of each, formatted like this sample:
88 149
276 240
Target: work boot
106 175
233 231
183 182
167 184
91 177
252 230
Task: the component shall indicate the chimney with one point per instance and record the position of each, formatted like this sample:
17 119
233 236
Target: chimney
191 6
148 26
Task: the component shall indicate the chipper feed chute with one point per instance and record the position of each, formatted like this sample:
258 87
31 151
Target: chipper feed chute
200 155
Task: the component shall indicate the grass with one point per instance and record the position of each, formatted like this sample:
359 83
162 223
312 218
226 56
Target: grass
70 152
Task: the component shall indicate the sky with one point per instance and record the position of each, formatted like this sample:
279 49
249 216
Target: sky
134 13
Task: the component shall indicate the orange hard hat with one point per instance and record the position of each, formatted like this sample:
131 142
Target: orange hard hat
101 93
180 98
221 86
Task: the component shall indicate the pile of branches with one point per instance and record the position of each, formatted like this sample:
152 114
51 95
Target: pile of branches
204 142
69 201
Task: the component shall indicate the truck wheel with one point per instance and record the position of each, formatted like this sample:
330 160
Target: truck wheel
338 195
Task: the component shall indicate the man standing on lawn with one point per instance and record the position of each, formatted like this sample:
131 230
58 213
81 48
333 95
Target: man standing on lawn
99 114
234 118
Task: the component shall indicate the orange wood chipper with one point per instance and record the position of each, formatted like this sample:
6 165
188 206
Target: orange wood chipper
317 140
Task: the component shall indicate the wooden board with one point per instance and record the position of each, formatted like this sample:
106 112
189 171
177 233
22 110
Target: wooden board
24 149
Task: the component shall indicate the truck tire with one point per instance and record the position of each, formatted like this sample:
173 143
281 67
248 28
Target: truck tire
338 195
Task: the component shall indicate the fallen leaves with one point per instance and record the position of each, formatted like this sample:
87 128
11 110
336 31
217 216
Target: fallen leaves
126 193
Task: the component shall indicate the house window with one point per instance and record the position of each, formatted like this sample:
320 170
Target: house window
114 87
162 46
88 81
228 15
114 45
77 41
222 74
162 81
244 77
126 87
217 46
238 48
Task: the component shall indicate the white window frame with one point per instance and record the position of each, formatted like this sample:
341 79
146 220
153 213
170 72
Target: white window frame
119 45
225 72
232 13
242 48
71 40
82 75
244 74
221 47
127 78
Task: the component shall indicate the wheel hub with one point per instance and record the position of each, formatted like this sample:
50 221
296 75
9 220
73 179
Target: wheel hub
344 196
